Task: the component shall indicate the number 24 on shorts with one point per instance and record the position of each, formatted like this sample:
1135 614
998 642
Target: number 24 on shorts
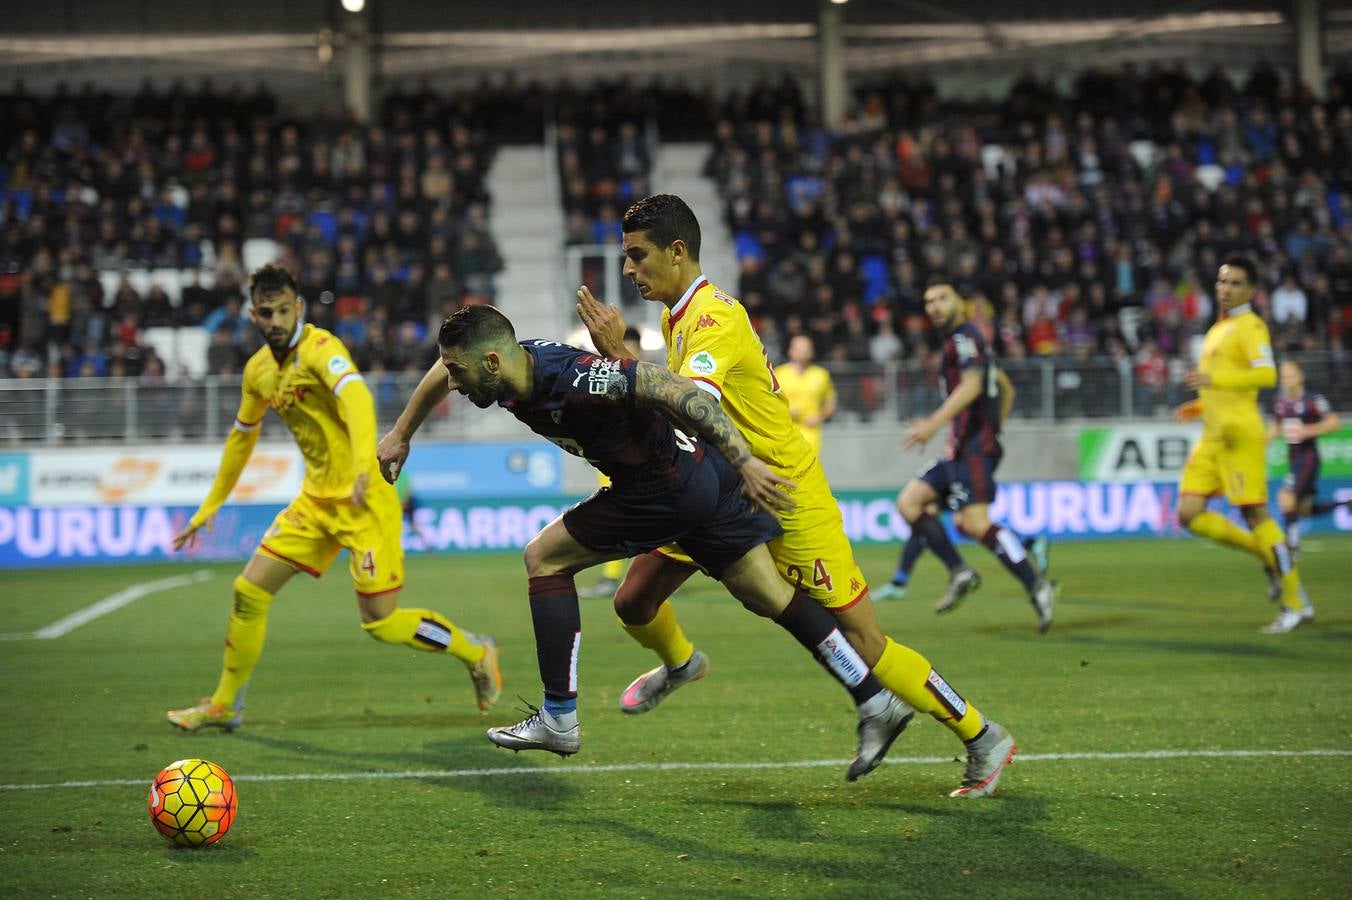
820 577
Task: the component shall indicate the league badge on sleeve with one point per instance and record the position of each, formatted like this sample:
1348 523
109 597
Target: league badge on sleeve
702 363
339 364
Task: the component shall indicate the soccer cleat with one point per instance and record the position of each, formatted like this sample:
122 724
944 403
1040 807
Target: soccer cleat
987 756
960 584
653 686
538 731
1289 620
891 591
1043 599
606 587
486 675
1040 552
206 715
876 734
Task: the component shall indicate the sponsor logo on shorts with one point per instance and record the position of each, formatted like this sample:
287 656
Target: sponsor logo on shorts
951 699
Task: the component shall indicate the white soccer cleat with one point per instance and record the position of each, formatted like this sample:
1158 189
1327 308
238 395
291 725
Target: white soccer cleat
653 686
1043 599
960 584
876 734
1289 620
890 591
538 731
987 756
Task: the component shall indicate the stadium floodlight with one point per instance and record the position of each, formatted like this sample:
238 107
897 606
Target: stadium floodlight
839 2
354 6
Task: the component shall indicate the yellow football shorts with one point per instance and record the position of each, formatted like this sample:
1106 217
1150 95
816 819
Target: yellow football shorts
1233 466
813 553
310 533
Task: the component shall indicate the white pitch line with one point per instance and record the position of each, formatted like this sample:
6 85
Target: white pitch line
517 771
108 604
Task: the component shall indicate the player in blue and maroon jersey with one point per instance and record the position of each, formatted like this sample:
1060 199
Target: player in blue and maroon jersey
667 485
965 479
1300 417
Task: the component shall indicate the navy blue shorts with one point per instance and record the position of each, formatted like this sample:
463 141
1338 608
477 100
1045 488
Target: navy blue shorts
963 481
709 516
1303 479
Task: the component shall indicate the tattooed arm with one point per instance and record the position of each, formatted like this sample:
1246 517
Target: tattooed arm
684 403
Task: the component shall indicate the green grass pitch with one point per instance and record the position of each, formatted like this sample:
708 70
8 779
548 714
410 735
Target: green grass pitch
1155 648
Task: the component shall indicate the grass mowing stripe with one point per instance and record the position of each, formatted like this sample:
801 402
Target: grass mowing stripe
698 766
108 604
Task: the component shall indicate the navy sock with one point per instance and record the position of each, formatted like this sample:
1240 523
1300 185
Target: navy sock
910 553
936 538
558 632
816 629
1009 549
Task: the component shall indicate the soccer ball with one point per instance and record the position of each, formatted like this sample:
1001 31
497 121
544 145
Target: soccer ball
192 802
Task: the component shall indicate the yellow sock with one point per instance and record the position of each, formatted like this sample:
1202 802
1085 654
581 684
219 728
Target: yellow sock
613 569
663 636
1212 525
244 636
911 677
425 629
1269 537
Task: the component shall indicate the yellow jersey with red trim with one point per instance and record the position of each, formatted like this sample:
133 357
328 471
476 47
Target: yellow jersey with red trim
303 388
1237 354
710 340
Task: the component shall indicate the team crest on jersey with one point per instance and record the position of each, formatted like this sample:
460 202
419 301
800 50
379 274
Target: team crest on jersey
680 343
703 363
338 364
706 321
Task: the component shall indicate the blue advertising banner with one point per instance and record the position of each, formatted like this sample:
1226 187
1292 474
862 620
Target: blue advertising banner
81 535
457 471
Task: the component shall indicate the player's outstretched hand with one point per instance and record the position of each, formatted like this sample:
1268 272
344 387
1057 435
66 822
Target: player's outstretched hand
187 538
604 323
918 434
766 489
1186 412
391 453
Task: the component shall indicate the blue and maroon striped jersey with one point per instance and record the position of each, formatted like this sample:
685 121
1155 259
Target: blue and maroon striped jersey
1293 412
976 430
584 403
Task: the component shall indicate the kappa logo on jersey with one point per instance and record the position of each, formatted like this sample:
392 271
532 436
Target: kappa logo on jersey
339 364
605 377
703 363
706 321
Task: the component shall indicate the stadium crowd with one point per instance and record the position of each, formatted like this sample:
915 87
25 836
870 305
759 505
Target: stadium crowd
1085 223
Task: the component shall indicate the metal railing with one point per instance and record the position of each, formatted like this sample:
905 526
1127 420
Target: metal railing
132 410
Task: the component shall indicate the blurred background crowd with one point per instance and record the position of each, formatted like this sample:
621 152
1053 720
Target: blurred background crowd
1084 223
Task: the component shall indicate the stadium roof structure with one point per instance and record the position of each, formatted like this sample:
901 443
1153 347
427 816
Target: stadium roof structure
293 41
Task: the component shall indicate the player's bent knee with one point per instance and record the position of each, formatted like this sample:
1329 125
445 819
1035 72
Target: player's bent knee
635 606
250 600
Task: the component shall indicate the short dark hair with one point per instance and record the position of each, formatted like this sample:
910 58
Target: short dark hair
938 278
1243 262
475 326
269 279
664 219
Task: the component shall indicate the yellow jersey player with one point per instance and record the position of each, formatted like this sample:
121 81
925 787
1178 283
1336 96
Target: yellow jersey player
710 340
307 376
808 388
1230 458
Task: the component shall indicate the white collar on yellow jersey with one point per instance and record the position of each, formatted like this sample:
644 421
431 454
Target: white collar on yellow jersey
699 282
1239 310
